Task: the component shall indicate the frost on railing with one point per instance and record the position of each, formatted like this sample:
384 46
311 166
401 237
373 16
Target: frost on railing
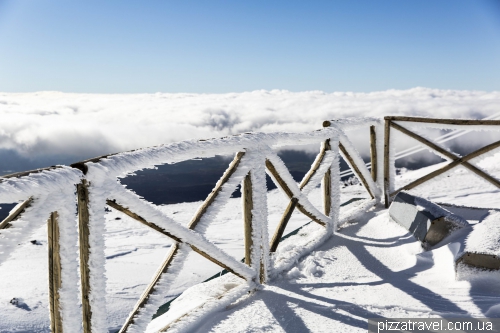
48 196
77 222
373 181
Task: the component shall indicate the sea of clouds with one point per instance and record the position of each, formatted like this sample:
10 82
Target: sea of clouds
56 127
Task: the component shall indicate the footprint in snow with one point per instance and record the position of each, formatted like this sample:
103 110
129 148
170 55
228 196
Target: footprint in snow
19 303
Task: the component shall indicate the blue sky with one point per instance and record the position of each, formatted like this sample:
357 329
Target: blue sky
231 46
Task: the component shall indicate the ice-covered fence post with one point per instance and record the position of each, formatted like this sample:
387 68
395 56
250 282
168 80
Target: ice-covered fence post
387 162
55 278
250 247
247 217
83 228
331 184
373 152
254 200
327 185
51 195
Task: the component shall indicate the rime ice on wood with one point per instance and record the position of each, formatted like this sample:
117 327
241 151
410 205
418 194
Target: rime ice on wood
51 191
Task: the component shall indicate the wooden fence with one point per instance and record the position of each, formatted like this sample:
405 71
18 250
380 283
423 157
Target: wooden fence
95 184
396 123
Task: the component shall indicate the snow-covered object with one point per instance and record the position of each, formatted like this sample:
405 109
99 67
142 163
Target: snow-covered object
52 191
152 214
436 210
355 122
485 237
102 175
481 248
334 187
363 254
97 259
224 195
379 144
356 211
292 249
253 162
198 302
428 222
326 164
260 238
120 165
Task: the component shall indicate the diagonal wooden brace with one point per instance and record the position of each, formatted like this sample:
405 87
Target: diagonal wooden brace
126 211
215 192
284 186
356 169
457 160
447 167
294 201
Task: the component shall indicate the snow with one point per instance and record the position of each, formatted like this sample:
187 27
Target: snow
370 267
373 268
485 238
201 301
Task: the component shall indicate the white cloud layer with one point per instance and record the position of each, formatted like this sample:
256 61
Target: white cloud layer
55 123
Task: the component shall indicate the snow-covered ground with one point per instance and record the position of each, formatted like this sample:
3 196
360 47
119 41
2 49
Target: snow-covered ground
371 268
